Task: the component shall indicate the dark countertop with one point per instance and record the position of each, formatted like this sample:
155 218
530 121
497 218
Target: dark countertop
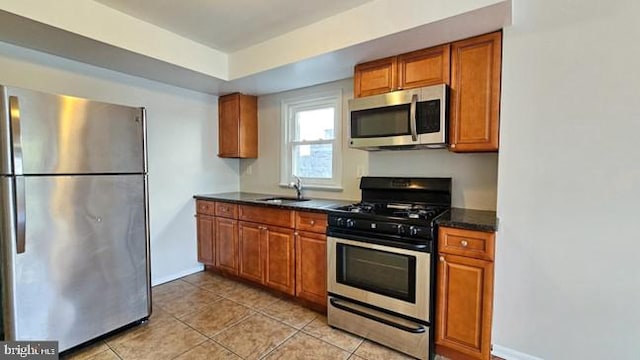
479 220
317 205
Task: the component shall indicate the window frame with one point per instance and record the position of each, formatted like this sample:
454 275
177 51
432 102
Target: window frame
288 108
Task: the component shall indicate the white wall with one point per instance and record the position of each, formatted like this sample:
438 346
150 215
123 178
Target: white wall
182 144
264 176
568 250
474 175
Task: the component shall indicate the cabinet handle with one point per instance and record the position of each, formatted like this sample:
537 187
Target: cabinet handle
464 243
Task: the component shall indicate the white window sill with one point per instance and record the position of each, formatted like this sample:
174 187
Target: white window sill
336 188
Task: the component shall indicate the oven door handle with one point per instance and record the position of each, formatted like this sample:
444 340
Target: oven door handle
372 240
418 329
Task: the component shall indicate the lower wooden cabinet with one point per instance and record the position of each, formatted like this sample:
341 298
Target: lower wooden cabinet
311 267
206 239
261 244
279 259
464 294
226 245
266 256
250 252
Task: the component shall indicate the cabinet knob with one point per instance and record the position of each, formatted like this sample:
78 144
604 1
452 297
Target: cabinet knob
312 222
223 209
453 146
441 258
464 243
295 233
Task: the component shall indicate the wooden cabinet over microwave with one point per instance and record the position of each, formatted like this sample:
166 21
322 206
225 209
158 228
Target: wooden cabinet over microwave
474 109
411 70
238 126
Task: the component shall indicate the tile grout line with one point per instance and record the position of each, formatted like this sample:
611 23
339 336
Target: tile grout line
261 311
301 329
280 344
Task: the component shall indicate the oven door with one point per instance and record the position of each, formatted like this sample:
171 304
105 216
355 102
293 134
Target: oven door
394 279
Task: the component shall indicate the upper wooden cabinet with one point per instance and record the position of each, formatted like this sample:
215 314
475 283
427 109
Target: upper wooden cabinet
238 126
424 67
411 70
375 77
475 93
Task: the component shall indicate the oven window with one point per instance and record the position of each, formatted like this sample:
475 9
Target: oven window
382 272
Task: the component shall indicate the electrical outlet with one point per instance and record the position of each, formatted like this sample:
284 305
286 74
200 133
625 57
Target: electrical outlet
248 170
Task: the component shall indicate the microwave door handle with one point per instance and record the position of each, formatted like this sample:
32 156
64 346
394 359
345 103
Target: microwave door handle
413 121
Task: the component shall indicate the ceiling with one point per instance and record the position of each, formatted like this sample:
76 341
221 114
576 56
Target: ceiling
251 46
231 25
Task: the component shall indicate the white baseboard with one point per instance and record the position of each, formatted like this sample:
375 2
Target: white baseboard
178 275
509 354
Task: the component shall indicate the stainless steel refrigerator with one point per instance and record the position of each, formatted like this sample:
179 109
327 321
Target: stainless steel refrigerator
73 215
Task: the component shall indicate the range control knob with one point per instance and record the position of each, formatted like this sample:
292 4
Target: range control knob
350 223
401 229
413 231
340 221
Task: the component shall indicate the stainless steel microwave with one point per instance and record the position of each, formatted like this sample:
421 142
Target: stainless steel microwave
405 119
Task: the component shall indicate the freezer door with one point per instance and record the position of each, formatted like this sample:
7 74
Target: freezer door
55 134
84 271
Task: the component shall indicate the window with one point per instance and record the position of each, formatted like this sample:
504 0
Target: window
311 140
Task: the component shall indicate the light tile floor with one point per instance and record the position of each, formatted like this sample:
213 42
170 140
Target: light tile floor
206 316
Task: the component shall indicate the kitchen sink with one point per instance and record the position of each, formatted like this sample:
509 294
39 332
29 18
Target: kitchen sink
282 200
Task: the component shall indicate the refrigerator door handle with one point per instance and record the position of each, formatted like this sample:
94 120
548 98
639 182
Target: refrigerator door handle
14 113
21 218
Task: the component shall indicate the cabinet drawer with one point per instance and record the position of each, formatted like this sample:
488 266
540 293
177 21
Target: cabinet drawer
475 244
227 210
267 216
205 207
314 222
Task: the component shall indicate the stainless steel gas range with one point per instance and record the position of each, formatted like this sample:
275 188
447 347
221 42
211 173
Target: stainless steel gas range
381 262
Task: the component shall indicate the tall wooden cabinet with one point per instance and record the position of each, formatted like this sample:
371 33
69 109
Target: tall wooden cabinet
238 126
475 93
465 294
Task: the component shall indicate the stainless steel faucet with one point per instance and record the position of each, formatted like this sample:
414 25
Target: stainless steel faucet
298 186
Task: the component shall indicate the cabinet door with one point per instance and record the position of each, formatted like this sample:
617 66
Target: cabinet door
250 251
228 125
424 67
279 259
465 301
227 245
238 126
311 267
475 93
206 236
375 77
